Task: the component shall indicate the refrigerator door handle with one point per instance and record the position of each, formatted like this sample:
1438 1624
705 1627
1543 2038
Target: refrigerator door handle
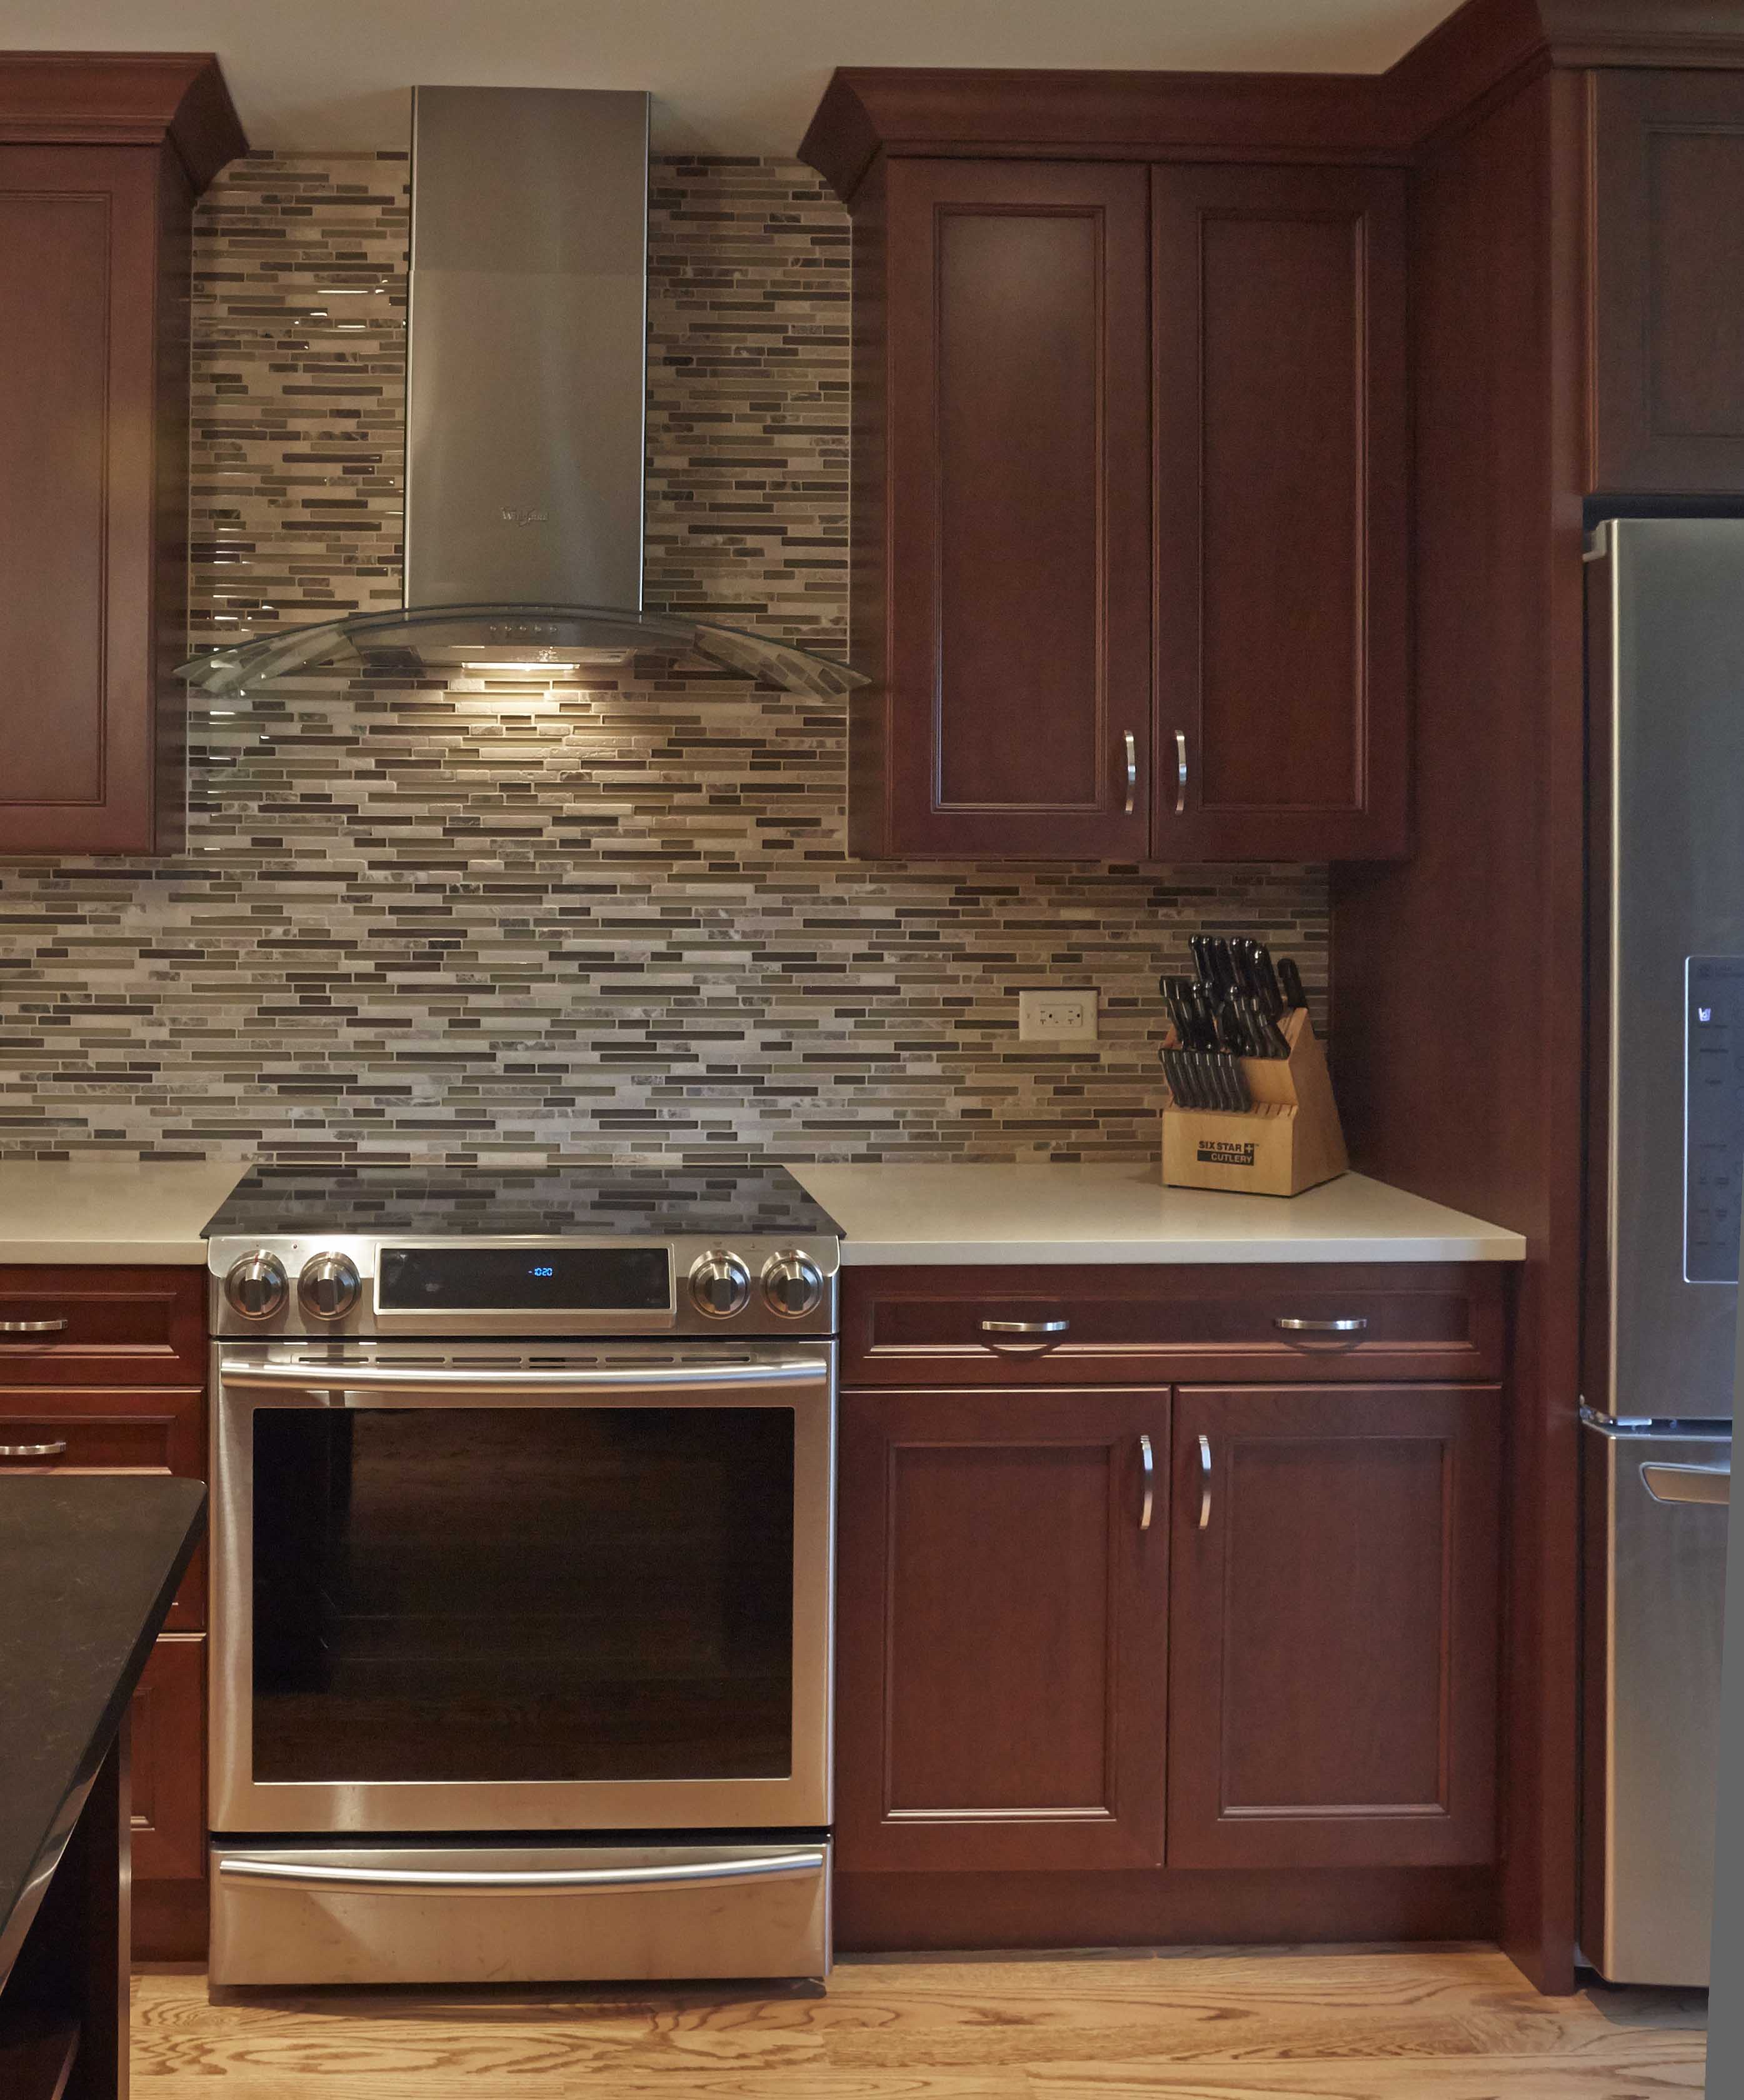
1688 1483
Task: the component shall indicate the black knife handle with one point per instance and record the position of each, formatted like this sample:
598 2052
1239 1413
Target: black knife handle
1290 982
1271 993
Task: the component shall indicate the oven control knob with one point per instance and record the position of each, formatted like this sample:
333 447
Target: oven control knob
256 1286
328 1287
720 1285
792 1283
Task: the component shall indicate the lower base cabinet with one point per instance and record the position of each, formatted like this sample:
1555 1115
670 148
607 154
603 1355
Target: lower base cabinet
1333 1628
1212 1627
1000 1613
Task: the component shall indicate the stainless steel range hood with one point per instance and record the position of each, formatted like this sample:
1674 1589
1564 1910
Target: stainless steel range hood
526 383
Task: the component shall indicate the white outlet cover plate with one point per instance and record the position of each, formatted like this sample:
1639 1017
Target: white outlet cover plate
1049 1015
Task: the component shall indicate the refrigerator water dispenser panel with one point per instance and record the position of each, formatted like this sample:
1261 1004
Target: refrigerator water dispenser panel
1713 1117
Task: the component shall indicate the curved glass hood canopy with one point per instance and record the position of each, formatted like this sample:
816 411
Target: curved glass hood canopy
525 417
556 642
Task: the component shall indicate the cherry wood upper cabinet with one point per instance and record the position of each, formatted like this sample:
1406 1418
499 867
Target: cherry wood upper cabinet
1003 579
1001 1593
1668 162
1281 514
1333 1627
101 159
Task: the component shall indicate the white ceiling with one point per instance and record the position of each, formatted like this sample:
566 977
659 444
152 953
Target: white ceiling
728 76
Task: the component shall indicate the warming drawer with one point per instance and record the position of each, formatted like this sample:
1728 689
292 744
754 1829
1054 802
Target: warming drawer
460 1914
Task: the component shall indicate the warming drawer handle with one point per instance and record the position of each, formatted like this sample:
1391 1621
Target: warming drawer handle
1688 1483
31 1326
1321 1326
347 1378
412 1881
32 1450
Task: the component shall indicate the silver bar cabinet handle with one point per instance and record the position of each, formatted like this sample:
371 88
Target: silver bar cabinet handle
1688 1483
1180 773
413 1880
1321 1326
1204 1483
31 1327
1132 771
1024 1327
32 1450
1147 1460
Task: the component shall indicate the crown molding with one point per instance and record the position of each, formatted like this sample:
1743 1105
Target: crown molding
901 111
122 98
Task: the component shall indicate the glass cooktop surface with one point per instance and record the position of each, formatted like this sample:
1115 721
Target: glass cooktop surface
638 1200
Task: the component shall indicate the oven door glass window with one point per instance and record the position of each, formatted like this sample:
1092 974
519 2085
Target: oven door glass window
510 1593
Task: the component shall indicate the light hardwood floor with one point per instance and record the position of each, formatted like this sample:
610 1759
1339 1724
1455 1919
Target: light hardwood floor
1443 2024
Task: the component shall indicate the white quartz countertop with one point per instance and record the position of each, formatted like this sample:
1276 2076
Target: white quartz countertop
137 1212
964 1213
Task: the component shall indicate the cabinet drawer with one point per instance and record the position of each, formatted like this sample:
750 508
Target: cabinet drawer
73 1429
94 1326
965 1326
169 1716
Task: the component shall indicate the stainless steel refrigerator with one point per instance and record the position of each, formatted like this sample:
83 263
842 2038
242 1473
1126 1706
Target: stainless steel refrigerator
1666 628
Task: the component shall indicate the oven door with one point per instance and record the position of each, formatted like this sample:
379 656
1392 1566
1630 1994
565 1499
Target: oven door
469 1587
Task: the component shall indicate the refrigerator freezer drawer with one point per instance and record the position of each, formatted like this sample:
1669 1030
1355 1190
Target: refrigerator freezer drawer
1657 1514
517 1914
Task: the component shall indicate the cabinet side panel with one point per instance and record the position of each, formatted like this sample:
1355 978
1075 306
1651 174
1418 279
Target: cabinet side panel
1487 917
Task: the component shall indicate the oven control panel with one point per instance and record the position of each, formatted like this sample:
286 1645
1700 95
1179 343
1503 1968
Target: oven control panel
339 1285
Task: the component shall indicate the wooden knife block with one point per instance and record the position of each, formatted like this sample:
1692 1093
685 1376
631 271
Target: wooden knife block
1290 1140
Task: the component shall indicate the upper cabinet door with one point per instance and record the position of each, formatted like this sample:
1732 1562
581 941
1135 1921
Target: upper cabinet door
79 519
1669 168
1013 714
1281 514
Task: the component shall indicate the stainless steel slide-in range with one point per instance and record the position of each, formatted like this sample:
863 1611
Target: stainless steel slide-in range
523 1551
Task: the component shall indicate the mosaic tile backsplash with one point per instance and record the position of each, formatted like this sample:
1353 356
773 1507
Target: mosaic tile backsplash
510 921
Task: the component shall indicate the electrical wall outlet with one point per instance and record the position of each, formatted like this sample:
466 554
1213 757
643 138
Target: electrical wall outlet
1056 1017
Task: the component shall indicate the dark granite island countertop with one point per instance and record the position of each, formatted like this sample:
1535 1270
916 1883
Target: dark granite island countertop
88 1567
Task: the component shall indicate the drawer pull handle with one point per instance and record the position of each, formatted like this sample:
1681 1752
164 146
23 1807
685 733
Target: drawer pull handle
32 1450
1148 1461
1321 1326
31 1327
1024 1327
1204 1483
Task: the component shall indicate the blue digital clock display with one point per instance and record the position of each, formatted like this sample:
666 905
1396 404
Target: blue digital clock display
545 1279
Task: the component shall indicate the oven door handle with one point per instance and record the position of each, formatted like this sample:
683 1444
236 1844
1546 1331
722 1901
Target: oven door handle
417 1881
437 1378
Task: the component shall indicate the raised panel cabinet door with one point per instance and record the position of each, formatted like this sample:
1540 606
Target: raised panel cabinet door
1333 1627
1668 165
1001 1622
1281 668
1016 716
169 1718
92 299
